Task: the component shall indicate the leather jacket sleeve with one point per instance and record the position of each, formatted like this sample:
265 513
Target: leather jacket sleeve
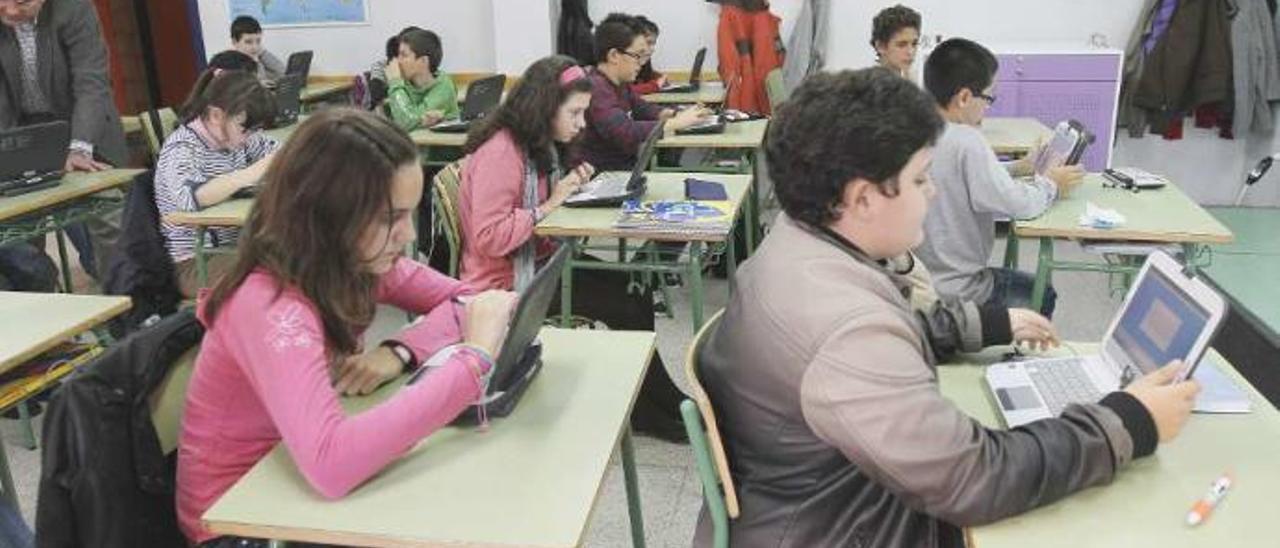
869 381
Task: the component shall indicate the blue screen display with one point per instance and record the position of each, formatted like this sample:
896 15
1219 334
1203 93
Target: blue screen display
1161 323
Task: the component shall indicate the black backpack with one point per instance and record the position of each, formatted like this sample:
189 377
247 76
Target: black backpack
140 266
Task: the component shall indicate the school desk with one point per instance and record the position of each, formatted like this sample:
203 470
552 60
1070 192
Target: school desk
1163 216
576 223
320 90
1256 229
1147 503
231 213
35 323
78 197
531 480
742 139
709 93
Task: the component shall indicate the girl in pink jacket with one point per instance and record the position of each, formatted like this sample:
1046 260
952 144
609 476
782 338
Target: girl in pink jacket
514 176
321 250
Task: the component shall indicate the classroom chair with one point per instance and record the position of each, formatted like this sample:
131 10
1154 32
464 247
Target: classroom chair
775 87
156 136
707 446
444 197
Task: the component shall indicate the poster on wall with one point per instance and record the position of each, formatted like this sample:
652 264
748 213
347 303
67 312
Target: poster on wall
302 13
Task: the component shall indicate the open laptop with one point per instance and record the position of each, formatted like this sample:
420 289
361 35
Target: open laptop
611 188
695 76
299 64
520 357
32 157
483 96
288 97
716 123
1166 316
1065 147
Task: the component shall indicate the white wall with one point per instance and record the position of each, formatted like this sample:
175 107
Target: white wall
505 35
986 21
465 27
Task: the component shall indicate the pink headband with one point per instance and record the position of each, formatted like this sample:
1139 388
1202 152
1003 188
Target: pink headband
569 75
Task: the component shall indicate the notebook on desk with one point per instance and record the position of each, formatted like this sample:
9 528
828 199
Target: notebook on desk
1166 316
483 96
1065 147
32 157
695 76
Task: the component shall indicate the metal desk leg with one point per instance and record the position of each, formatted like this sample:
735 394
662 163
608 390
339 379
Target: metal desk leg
622 250
66 263
695 283
24 419
6 479
633 489
731 255
752 211
1189 253
566 285
1044 270
202 270
1011 249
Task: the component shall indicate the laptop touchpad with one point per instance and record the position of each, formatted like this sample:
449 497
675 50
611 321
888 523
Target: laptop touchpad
1017 398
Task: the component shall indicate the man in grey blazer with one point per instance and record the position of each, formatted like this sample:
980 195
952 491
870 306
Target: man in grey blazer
53 66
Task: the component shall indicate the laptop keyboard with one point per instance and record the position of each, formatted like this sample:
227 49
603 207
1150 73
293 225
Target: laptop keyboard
1062 382
608 184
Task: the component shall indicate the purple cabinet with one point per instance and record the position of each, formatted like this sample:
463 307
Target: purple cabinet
1052 87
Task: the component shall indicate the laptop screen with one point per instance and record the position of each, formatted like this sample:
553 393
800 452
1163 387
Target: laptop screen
1160 324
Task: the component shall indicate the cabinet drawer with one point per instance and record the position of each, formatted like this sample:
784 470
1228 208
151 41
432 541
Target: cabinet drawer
1059 67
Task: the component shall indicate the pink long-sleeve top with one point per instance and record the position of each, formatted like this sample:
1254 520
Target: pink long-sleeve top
491 209
263 375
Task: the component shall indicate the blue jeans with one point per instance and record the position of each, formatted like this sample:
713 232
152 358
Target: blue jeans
1013 289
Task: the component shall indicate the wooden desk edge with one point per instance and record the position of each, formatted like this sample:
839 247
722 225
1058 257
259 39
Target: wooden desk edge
121 305
54 198
296 534
631 234
1084 233
195 219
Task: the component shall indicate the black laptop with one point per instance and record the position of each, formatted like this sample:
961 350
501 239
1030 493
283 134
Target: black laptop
612 188
483 96
288 99
299 64
32 157
695 76
520 359
717 122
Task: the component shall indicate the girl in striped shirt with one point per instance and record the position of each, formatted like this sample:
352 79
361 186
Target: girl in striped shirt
217 150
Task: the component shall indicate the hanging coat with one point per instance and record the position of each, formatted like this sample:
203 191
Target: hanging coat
749 46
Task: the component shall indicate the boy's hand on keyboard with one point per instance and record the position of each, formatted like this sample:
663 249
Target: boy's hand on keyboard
1032 329
1168 400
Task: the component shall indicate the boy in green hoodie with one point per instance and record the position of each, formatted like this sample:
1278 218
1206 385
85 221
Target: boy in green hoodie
418 93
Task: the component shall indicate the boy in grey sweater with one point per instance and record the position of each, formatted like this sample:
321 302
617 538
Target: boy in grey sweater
975 188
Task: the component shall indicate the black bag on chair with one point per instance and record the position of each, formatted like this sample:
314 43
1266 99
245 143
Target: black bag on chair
104 480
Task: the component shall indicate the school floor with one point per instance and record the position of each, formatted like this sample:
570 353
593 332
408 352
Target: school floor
668 483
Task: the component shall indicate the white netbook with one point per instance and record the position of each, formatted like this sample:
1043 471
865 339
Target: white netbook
1166 316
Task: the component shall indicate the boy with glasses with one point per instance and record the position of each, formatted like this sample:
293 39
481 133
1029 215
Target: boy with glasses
974 188
619 120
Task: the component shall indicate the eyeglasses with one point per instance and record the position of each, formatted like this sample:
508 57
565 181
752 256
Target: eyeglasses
639 57
990 99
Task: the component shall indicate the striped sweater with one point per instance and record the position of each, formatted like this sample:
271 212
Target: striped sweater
186 163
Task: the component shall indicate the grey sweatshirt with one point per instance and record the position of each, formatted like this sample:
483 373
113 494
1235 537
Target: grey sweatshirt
974 189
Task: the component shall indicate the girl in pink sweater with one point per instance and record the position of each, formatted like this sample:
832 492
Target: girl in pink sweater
322 248
513 177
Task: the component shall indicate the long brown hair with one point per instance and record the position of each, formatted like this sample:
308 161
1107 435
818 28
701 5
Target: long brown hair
530 109
323 189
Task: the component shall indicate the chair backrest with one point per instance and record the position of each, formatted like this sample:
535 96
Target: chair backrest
776 88
444 193
708 415
156 136
169 399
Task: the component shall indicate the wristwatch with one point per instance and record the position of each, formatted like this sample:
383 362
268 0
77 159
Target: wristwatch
403 353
